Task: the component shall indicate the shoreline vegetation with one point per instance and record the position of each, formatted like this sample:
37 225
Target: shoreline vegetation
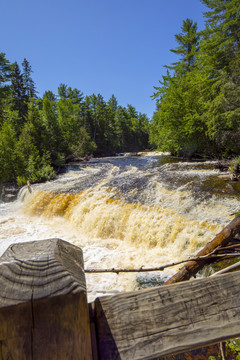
197 100
197 108
231 169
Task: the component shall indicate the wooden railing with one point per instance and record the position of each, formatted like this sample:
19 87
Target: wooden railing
44 312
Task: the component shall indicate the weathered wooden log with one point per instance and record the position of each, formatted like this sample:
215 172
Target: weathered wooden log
43 305
221 239
169 319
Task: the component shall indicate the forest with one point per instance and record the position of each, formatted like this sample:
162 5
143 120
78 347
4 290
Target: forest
197 107
40 134
198 99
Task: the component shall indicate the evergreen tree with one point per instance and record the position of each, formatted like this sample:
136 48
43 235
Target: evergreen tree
5 75
219 54
110 126
36 127
34 160
87 114
18 92
28 82
201 99
133 127
188 41
8 156
121 128
75 95
66 92
49 95
37 134
143 136
100 124
97 121
53 139
222 33
62 91
177 123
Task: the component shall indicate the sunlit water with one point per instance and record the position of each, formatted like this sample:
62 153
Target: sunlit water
125 212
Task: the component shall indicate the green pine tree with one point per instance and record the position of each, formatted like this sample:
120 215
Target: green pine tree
18 92
28 82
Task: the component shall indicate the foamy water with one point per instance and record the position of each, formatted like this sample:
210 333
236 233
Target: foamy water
124 213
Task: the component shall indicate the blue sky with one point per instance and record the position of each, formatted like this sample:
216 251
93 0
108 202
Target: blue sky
98 46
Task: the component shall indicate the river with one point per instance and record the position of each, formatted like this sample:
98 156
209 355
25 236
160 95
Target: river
125 212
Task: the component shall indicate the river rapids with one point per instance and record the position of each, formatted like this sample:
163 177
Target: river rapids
125 212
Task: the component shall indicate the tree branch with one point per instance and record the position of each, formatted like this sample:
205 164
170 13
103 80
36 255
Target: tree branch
160 268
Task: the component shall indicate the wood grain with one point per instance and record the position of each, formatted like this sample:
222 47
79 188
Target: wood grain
43 304
168 319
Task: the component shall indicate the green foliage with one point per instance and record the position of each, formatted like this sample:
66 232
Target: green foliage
39 169
18 92
234 168
21 180
65 92
8 155
38 135
188 41
198 103
5 75
177 124
234 346
28 82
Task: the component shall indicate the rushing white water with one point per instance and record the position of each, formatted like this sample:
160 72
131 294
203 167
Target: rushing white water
125 212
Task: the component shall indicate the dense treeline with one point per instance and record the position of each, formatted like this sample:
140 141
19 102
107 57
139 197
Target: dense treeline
198 100
39 134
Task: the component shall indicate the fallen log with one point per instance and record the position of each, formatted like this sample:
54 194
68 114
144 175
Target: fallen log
221 239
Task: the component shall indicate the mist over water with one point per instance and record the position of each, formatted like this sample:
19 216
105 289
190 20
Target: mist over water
125 212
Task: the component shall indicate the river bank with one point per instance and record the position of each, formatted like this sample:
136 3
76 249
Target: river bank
9 190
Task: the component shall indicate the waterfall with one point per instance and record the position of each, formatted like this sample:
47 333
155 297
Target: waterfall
127 212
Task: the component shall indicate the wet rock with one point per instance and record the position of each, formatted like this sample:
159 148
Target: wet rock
8 193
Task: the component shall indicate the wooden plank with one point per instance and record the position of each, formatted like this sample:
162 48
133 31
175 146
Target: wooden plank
170 319
43 304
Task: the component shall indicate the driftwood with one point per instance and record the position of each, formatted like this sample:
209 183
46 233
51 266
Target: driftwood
162 267
230 247
169 319
43 305
220 240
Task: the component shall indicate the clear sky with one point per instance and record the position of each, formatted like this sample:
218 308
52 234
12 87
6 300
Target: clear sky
98 46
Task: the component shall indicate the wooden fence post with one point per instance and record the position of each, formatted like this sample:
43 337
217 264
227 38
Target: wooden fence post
43 303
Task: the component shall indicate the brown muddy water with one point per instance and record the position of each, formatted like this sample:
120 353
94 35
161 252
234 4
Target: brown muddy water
125 212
